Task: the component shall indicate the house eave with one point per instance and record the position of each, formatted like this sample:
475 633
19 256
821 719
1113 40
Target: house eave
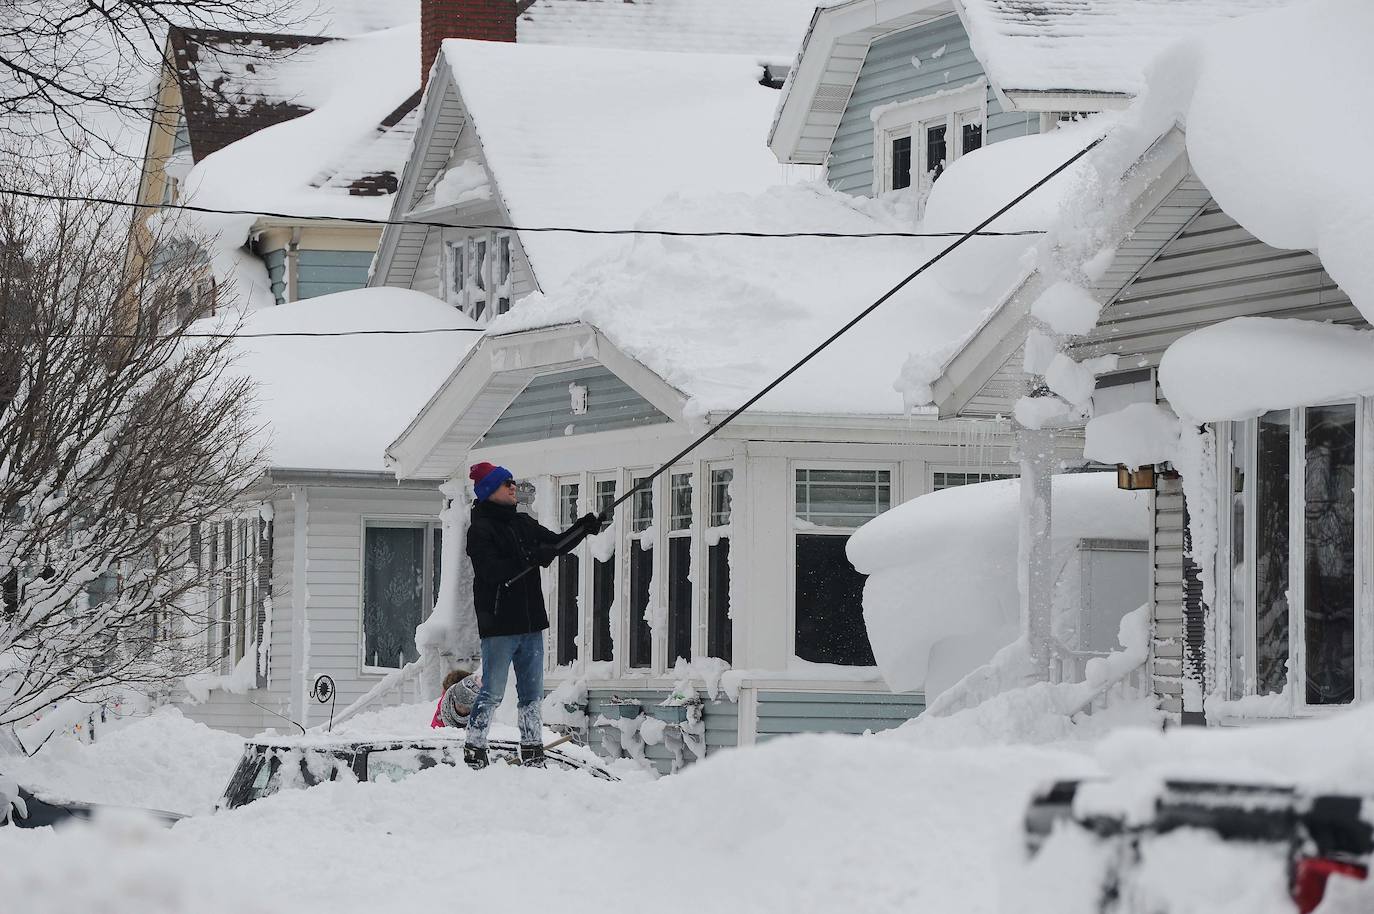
493 374
1047 100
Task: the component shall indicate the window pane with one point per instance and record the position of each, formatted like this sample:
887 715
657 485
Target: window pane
603 599
568 581
643 507
830 620
680 517
943 480
459 268
393 591
971 138
479 266
935 150
438 561
641 637
720 497
679 599
901 162
605 495
503 261
842 498
1240 575
1329 554
719 631
1271 553
567 504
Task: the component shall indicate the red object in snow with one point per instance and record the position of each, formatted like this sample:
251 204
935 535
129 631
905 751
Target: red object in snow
1310 875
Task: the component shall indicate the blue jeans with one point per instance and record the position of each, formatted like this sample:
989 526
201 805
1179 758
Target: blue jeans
499 654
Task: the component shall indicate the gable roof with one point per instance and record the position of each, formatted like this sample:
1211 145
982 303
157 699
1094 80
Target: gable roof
601 135
1093 46
769 30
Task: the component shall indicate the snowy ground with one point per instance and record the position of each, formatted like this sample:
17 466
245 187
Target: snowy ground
923 818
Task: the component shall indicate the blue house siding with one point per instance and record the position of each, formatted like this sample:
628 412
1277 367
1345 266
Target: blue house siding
888 76
543 410
786 713
276 273
721 718
323 272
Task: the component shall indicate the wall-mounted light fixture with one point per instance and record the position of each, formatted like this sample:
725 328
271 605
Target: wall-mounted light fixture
1141 478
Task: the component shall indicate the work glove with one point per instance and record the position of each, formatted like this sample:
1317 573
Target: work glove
592 523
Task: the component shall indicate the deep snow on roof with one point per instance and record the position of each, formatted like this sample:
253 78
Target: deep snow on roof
600 135
335 403
718 318
770 30
1087 45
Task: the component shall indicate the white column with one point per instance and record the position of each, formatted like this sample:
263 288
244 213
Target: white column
1036 554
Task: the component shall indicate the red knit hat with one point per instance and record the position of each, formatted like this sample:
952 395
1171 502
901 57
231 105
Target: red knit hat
480 470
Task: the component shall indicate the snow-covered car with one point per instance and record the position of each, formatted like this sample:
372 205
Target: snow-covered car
271 765
1316 837
22 808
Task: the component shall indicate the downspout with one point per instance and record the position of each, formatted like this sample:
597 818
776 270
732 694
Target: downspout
300 601
1035 574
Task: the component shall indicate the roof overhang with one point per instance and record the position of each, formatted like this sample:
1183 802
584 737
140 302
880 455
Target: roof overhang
832 53
1064 100
436 443
1150 178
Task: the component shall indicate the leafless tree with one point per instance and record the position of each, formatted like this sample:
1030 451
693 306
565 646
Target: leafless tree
117 432
73 67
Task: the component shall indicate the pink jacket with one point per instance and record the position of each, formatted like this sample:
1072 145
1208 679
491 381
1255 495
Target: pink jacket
438 721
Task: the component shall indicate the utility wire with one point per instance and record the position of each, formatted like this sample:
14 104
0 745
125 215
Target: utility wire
246 336
360 220
706 435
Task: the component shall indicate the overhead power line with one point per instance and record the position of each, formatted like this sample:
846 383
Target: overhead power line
849 325
491 226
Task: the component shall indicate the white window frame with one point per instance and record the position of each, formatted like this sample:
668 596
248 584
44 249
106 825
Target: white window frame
427 522
460 260
894 499
1007 470
1363 565
702 577
951 107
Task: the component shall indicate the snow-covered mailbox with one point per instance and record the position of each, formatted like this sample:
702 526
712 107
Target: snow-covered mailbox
331 563
942 594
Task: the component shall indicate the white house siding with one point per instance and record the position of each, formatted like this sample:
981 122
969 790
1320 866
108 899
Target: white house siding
888 76
333 603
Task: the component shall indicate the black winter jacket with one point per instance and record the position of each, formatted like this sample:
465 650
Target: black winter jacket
502 542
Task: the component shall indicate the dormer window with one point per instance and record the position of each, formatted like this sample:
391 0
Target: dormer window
915 141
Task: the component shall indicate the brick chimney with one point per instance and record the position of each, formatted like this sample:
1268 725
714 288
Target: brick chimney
484 20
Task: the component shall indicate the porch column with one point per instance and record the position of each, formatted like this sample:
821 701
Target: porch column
449 636
1036 565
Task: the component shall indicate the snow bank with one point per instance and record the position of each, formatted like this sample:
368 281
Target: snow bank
943 566
1247 366
162 761
1286 190
336 402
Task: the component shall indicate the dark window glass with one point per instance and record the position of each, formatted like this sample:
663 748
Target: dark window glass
642 507
935 150
479 266
901 162
1271 553
603 598
679 599
943 480
241 592
1239 451
719 633
830 620
568 580
437 551
641 637
1329 556
720 497
226 598
393 593
970 138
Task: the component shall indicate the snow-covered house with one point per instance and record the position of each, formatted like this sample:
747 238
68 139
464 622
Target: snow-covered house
1224 276
332 562
630 346
272 121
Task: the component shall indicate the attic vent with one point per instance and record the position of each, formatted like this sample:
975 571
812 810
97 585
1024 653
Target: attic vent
830 98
